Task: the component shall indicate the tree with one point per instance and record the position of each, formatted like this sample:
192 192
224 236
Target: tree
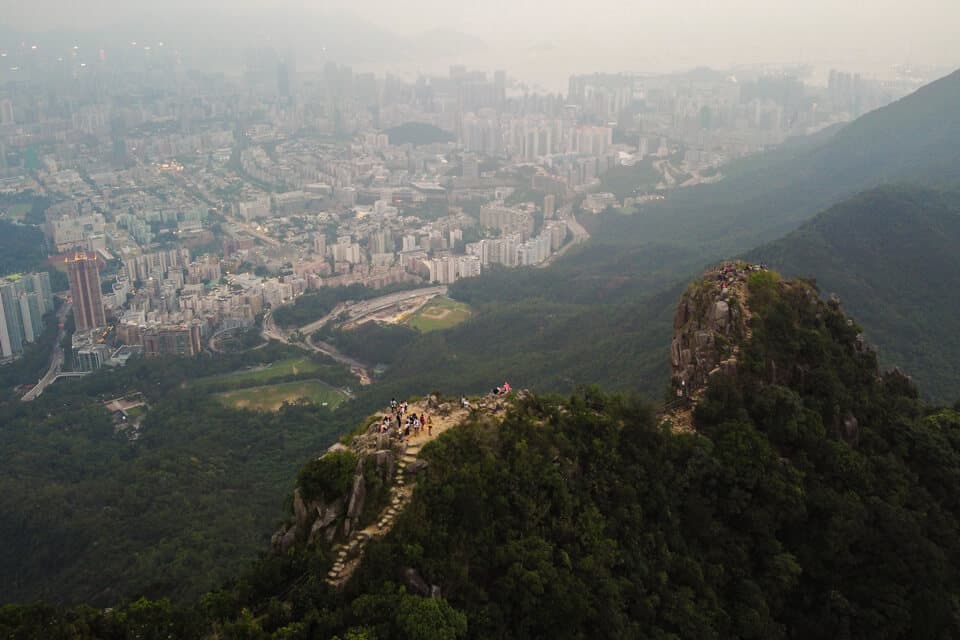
429 619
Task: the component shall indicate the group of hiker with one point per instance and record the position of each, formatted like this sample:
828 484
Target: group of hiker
412 424
728 272
405 427
502 390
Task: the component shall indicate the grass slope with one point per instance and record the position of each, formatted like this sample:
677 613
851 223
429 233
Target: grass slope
272 397
264 373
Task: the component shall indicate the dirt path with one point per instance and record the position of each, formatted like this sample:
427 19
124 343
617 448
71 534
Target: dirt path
350 554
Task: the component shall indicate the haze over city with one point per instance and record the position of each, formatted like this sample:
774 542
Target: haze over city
466 319
540 42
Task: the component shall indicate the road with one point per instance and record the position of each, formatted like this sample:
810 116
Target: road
355 311
270 331
359 310
308 329
580 235
56 359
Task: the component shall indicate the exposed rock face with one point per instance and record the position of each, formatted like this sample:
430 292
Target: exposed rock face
326 517
413 579
358 493
287 539
385 460
709 323
299 508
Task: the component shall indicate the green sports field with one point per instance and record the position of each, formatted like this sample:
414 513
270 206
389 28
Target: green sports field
265 374
272 397
14 212
439 313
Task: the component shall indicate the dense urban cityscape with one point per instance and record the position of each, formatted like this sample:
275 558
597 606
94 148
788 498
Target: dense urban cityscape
182 204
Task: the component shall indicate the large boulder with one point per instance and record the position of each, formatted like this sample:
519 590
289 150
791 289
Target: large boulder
720 317
385 460
328 513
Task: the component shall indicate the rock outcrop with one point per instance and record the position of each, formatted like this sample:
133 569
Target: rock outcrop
711 320
325 517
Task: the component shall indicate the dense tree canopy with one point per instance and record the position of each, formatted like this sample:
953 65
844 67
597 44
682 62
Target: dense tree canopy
892 255
816 500
93 511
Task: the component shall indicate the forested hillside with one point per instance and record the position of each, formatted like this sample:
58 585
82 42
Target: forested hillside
916 138
95 510
21 248
814 500
549 329
893 256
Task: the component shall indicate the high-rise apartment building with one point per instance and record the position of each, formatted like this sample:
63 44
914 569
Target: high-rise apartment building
31 312
549 204
24 299
11 322
83 271
6 111
471 168
181 340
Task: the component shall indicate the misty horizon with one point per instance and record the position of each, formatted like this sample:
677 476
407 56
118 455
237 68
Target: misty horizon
532 42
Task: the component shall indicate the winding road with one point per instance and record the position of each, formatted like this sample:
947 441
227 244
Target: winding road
56 359
355 311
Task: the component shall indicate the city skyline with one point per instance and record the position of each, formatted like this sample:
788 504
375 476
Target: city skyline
539 44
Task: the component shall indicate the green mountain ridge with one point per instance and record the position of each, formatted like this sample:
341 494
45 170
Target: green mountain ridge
765 196
816 499
892 256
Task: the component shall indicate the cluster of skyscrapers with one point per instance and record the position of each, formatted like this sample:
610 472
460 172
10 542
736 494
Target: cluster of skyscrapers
24 300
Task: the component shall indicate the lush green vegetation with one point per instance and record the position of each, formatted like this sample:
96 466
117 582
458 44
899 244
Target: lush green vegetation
273 397
438 314
288 368
21 248
331 475
892 256
815 501
372 342
768 195
623 181
549 329
25 207
14 212
418 133
89 514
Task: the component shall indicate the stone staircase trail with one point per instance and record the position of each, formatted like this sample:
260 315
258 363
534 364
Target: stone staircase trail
350 554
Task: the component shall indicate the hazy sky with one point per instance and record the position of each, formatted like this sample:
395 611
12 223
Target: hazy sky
638 34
